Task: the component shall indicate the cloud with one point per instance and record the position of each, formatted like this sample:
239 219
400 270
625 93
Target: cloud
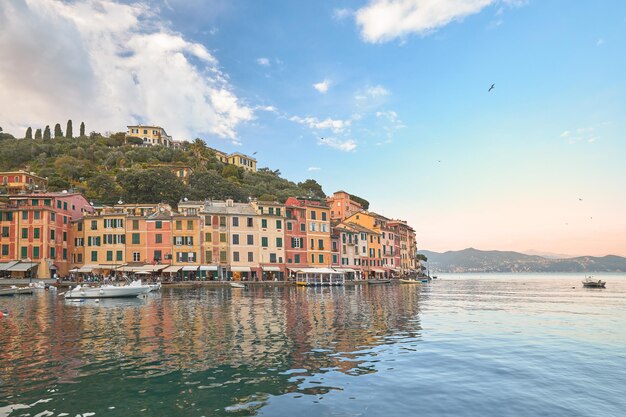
265 62
314 169
348 145
565 134
581 134
384 20
109 64
372 93
341 14
269 109
322 86
336 125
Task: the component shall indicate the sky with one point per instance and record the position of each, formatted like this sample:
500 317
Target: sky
385 99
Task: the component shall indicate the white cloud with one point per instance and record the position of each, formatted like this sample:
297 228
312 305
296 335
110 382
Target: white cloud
581 134
336 125
265 62
565 134
348 145
313 169
340 14
374 93
383 20
269 109
109 64
322 86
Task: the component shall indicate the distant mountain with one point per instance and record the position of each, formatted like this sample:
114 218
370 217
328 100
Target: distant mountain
474 260
549 255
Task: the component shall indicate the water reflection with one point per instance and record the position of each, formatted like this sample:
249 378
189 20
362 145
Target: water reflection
204 350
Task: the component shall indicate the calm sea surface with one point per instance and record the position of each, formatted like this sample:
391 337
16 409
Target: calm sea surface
464 345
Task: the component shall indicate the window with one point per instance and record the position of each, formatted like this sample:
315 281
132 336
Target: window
94 256
312 244
53 218
24 215
235 239
272 258
53 253
157 255
179 225
250 222
279 224
64 219
36 233
208 237
189 224
5 231
34 202
223 237
118 255
313 215
222 221
302 227
80 258
320 244
289 226
288 213
250 239
279 242
312 258
236 221
24 233
58 204
109 256
64 236
24 253
46 202
321 258
335 259
264 223
208 256
271 210
278 211
37 214
80 224
36 252
223 256
296 258
136 256
158 238
250 257
264 242
235 256
158 224
65 205
324 216
135 238
296 242
94 225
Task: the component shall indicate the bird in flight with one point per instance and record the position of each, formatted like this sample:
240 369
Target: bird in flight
253 153
580 199
492 87
438 160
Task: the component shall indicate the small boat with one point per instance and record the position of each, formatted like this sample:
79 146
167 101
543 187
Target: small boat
237 285
590 283
434 276
410 281
378 281
134 289
8 291
155 286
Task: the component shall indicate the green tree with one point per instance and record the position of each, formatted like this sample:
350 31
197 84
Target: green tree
231 171
153 185
29 133
38 134
70 168
103 188
312 189
210 184
58 133
68 130
46 133
363 202
82 129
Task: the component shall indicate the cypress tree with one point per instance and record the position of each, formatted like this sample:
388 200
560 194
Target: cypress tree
38 134
46 133
68 131
29 133
82 129
58 133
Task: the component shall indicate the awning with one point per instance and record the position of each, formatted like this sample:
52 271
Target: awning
172 269
143 272
379 271
240 268
315 271
190 268
135 268
74 270
208 267
271 268
152 268
4 266
22 267
87 268
346 270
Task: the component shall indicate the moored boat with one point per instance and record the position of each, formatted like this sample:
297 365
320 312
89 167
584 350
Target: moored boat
592 283
237 285
8 291
410 281
378 281
134 289
155 286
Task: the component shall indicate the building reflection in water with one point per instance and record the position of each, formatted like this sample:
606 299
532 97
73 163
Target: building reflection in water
267 338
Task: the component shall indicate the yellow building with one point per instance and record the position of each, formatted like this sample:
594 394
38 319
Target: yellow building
318 233
187 244
376 225
271 227
15 182
244 161
150 135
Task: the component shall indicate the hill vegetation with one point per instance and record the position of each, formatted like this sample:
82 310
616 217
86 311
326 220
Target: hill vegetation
107 168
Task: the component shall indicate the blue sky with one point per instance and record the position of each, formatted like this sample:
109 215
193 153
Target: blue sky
401 102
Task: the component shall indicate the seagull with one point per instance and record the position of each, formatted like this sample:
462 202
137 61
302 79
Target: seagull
580 199
438 160
253 153
492 87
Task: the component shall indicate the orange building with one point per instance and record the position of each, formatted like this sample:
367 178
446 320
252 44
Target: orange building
317 230
16 182
342 206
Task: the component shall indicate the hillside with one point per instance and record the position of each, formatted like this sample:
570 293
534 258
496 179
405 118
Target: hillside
474 260
109 168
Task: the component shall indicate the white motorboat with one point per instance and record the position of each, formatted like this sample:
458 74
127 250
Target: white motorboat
237 285
134 289
592 283
155 286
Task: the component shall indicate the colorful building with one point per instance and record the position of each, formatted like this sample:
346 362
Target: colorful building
150 135
243 161
17 182
295 234
272 255
342 206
